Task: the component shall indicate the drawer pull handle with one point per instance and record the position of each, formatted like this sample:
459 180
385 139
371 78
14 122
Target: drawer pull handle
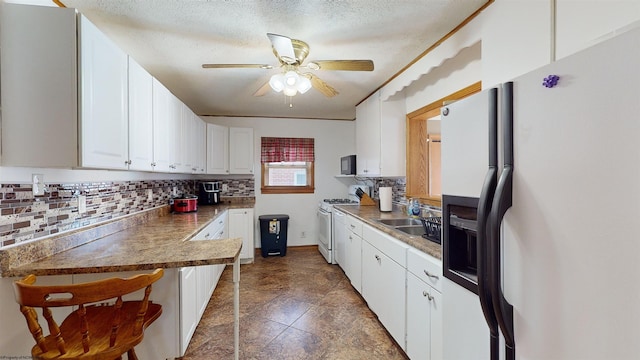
431 275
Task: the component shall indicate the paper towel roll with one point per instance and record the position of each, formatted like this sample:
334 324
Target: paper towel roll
385 198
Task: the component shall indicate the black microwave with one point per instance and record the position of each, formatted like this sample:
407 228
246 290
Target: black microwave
348 165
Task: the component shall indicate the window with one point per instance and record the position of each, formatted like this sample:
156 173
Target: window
287 165
423 148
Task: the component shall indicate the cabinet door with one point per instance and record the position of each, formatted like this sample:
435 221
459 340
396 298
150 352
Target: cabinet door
355 260
176 140
187 141
103 100
201 145
188 306
393 137
203 289
241 150
39 87
161 129
418 318
217 149
241 225
383 287
368 136
140 118
424 320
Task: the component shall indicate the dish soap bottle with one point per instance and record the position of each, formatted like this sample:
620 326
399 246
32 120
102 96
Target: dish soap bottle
416 208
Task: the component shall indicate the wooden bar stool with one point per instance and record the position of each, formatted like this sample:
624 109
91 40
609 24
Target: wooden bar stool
98 328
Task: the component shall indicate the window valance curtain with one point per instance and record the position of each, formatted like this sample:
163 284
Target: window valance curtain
275 149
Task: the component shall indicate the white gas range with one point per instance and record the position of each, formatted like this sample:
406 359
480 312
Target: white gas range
326 243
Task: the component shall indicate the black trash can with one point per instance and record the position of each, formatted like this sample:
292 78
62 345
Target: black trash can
273 234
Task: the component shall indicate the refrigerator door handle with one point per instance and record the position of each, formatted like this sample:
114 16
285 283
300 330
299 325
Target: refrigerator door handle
501 203
484 209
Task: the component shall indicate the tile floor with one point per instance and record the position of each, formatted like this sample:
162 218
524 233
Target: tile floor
291 307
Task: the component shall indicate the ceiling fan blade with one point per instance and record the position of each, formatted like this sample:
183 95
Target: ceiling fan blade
322 86
347 65
262 90
283 47
231 66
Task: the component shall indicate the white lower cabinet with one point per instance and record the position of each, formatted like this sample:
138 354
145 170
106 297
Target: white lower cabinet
197 283
353 252
401 285
383 280
424 306
241 225
188 306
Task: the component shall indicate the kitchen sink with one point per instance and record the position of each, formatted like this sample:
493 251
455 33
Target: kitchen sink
417 230
400 222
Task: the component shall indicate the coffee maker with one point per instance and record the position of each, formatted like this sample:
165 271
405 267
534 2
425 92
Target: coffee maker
209 193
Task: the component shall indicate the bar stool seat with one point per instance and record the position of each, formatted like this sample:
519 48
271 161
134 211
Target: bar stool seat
101 325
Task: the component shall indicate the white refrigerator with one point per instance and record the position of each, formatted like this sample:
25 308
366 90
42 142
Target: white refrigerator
552 169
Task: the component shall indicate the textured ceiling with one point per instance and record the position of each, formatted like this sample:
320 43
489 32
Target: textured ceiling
172 39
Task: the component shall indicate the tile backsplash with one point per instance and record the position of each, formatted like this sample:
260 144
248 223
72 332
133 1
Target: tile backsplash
25 217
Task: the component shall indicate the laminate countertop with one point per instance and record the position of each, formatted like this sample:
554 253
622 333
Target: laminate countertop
369 215
152 239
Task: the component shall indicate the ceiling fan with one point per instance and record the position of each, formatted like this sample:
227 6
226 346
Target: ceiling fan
291 54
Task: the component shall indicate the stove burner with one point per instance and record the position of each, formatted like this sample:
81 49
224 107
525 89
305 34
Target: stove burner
339 201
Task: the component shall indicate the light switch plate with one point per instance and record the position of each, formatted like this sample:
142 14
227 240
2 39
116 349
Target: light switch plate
37 184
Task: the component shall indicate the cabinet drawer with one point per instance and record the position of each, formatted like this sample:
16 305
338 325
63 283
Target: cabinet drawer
212 229
393 248
354 225
425 267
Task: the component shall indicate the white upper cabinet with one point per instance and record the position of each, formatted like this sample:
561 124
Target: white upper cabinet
201 145
241 150
140 118
39 86
103 75
380 137
229 150
161 130
217 149
368 136
71 98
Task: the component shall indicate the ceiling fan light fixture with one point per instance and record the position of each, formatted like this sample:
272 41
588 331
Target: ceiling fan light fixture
303 85
277 82
290 91
291 78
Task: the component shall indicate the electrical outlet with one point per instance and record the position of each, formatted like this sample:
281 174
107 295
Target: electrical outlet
149 195
303 234
82 204
174 191
37 184
225 187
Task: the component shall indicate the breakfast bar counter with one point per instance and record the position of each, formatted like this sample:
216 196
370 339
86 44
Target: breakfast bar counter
144 241
160 242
